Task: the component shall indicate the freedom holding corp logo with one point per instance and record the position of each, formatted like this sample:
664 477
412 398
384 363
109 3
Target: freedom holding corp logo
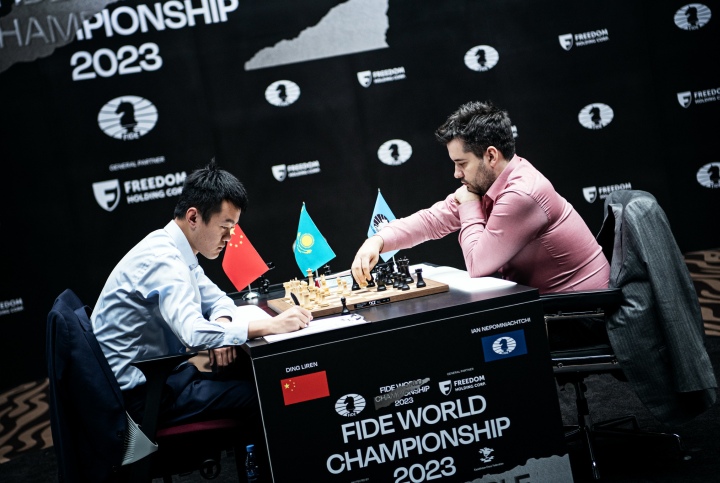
127 117
107 194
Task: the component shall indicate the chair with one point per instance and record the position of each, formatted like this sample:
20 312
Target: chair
95 440
654 326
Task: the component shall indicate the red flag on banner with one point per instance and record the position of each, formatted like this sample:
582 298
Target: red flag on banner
242 264
304 388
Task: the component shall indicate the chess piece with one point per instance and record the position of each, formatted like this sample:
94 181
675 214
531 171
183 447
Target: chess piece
396 280
381 284
420 282
371 282
403 266
355 285
287 290
345 309
406 271
265 285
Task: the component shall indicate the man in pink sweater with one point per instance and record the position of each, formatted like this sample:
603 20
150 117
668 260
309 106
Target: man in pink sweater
509 217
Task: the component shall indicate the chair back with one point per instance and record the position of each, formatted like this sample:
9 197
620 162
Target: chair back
87 415
657 333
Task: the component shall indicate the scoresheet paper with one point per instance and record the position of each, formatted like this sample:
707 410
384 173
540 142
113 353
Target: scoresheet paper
321 325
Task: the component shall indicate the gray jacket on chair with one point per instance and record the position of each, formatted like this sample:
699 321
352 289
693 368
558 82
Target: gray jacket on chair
658 333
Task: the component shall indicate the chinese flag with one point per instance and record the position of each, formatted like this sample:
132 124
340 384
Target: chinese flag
304 388
242 264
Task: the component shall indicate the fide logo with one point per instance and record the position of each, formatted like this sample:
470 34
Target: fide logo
107 194
282 93
709 175
394 152
350 405
379 221
504 345
595 116
481 58
692 16
127 118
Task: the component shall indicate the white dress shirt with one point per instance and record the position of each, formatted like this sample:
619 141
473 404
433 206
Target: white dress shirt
158 301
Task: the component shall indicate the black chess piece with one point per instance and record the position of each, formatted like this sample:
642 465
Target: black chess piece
406 271
396 280
355 285
371 282
345 309
420 282
403 270
264 285
381 284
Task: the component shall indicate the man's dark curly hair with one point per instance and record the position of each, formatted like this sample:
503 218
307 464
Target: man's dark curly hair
479 125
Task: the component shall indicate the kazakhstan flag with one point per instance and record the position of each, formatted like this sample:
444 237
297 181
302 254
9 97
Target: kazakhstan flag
382 215
311 249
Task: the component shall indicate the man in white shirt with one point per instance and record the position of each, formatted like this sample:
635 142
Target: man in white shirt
158 300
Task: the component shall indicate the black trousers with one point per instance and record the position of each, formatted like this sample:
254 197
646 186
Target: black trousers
193 395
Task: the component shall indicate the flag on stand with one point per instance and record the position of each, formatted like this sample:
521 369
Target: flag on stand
311 249
305 388
382 215
241 263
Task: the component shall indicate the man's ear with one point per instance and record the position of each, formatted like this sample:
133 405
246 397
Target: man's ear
493 155
192 216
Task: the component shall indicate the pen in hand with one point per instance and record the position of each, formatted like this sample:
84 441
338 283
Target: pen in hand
297 302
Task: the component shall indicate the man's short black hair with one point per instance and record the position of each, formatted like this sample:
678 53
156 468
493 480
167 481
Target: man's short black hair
206 189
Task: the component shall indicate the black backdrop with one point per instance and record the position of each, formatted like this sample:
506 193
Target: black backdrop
649 68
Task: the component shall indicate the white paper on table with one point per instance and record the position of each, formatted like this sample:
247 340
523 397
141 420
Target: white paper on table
252 312
320 325
460 279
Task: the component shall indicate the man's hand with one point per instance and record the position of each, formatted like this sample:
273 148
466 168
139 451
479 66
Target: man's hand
366 258
222 356
292 319
462 195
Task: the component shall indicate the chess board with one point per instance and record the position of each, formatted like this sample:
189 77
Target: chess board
359 299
